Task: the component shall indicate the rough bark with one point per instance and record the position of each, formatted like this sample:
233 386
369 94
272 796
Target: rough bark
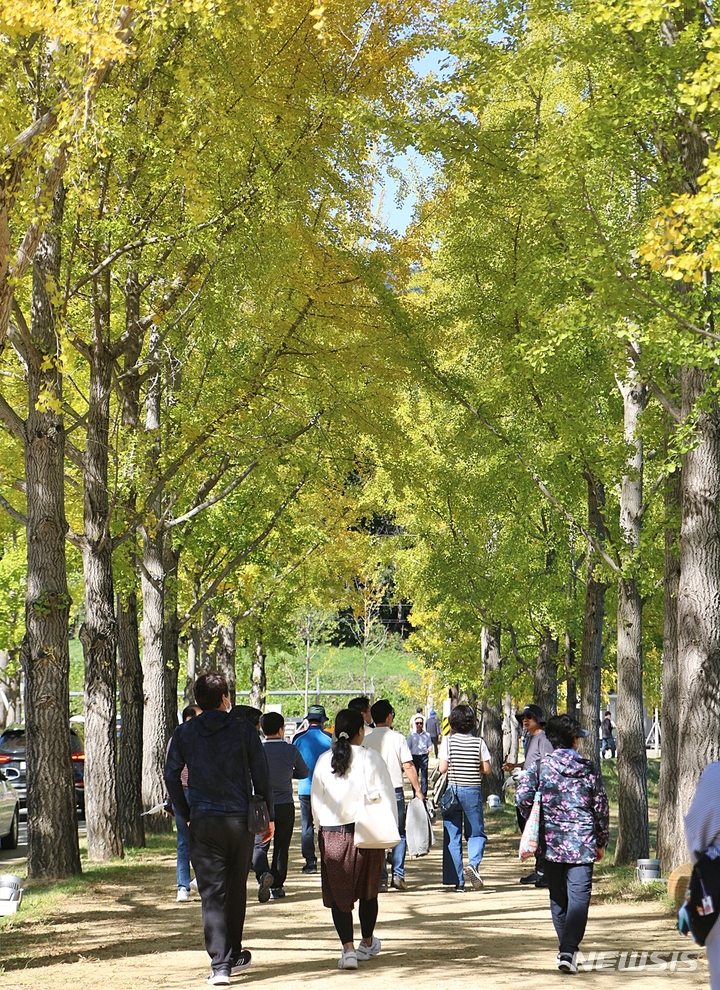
130 765
699 592
511 734
545 677
593 623
219 651
155 716
52 825
633 841
491 726
670 833
171 632
258 682
571 698
193 652
98 633
10 708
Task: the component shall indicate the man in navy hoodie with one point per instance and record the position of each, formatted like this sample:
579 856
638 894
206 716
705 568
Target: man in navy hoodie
216 809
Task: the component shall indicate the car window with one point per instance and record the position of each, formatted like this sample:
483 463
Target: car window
12 742
76 745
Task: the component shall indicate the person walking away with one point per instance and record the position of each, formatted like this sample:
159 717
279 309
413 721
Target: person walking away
608 739
535 745
702 831
576 830
419 743
284 764
311 742
215 746
348 874
393 748
465 757
181 826
362 705
432 727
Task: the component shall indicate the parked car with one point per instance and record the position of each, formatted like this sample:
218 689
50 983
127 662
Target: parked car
14 765
9 814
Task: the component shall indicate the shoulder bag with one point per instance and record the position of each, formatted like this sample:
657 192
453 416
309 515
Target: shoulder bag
258 816
531 838
450 800
375 824
701 910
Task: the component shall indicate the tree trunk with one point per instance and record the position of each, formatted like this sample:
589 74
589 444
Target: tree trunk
633 841
155 717
9 688
511 734
98 632
699 593
571 699
193 652
258 683
219 648
593 623
130 766
52 822
491 728
545 679
670 833
171 633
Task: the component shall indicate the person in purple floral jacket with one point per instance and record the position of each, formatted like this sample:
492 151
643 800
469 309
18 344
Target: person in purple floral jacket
576 830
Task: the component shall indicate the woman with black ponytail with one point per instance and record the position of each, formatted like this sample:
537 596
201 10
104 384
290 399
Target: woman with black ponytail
340 780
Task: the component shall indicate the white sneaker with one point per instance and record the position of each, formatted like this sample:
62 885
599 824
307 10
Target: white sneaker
365 951
473 877
193 884
183 894
348 960
566 963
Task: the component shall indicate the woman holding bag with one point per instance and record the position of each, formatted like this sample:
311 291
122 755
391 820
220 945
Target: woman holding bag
466 758
342 779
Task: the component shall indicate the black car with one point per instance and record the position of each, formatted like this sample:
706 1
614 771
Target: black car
14 766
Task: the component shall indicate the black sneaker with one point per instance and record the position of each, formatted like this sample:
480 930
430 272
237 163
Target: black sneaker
219 978
240 962
541 881
531 877
264 885
277 893
566 963
309 868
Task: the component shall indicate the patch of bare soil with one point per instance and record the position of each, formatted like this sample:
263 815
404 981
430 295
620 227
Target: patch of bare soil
134 934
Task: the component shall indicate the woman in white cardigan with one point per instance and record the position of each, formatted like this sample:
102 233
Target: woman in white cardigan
340 779
702 831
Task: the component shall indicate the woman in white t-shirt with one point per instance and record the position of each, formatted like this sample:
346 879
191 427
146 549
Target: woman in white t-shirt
340 779
466 758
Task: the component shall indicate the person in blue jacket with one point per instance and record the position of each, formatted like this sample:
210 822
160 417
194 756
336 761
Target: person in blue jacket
312 743
213 746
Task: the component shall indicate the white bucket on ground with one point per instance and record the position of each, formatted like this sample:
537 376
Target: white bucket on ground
493 802
648 870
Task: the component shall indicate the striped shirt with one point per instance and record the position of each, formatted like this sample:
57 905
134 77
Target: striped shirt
464 753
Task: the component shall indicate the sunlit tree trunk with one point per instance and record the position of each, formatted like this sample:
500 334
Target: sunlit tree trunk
130 682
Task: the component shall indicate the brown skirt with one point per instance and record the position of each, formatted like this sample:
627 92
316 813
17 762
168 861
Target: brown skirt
347 873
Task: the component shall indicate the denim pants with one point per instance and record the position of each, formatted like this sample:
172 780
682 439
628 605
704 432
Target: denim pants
471 815
183 850
570 885
398 853
307 833
607 744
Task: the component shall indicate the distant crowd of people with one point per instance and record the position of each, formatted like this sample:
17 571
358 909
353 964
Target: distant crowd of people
366 759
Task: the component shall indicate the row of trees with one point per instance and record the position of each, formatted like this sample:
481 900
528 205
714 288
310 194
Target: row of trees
220 369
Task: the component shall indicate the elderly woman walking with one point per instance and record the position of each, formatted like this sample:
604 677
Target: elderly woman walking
340 780
466 758
576 830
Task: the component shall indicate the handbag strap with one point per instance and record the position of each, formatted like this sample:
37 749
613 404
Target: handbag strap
538 790
246 763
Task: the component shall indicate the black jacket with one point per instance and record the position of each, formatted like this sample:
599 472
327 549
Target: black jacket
210 745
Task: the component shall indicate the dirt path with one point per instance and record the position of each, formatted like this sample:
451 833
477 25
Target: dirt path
135 935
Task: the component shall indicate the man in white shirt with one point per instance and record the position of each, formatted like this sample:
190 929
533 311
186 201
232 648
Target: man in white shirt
419 744
394 750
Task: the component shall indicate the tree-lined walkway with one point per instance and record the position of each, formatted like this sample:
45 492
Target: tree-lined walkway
129 932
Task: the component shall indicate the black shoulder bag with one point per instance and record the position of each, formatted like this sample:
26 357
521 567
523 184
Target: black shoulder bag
258 816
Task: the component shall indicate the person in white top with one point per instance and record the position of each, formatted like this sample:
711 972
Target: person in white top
394 750
347 874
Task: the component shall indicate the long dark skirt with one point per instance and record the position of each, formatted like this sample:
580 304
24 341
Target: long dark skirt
347 873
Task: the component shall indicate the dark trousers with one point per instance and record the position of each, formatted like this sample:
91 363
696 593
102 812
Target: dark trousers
435 741
421 765
343 920
539 861
284 823
398 853
307 836
221 852
570 885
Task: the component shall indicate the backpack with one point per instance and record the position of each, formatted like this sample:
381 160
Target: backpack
702 902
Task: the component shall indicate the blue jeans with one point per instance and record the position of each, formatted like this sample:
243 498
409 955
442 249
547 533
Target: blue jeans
607 744
398 853
183 850
307 830
472 814
570 885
